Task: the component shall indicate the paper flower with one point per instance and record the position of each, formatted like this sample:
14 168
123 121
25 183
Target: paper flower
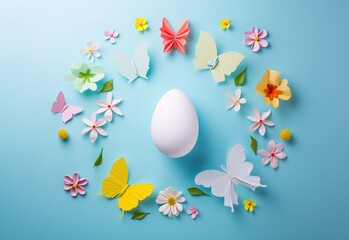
275 153
225 24
171 202
75 185
94 127
110 35
236 101
259 121
273 89
91 51
109 107
141 24
193 212
256 39
85 77
249 205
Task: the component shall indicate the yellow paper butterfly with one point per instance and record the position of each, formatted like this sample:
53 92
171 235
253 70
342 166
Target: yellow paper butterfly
116 185
207 58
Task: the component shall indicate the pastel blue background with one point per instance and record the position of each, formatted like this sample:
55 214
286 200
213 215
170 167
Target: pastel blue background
306 197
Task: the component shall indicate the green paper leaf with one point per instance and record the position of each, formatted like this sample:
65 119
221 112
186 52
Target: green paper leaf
240 78
107 86
197 192
254 144
99 159
139 215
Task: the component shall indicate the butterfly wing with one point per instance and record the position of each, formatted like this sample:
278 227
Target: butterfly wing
221 186
59 104
240 170
181 35
68 113
227 63
125 66
116 183
205 50
133 194
167 35
141 60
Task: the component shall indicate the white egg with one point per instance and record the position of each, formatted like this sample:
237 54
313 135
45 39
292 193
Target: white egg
175 126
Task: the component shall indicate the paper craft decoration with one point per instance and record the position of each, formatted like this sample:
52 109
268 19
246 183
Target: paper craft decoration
116 185
235 101
109 107
273 155
91 51
75 184
172 40
193 212
256 39
207 58
110 35
260 121
94 127
174 125
249 205
61 106
237 171
170 201
136 67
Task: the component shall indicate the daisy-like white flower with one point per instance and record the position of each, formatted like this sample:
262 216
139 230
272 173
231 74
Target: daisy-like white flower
109 107
94 127
110 35
256 39
171 202
236 101
260 121
275 153
91 51
193 211
75 185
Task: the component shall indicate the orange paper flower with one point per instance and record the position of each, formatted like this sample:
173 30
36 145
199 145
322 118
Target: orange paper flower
273 89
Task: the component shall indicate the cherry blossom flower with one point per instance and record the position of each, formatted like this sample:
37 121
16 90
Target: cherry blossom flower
256 39
94 127
110 35
275 153
75 185
91 51
109 107
193 212
236 101
171 202
260 121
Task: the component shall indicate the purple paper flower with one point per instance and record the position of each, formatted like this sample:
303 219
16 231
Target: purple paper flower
75 185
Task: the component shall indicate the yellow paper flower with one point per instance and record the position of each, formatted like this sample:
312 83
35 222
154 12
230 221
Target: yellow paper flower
249 205
141 24
225 24
273 89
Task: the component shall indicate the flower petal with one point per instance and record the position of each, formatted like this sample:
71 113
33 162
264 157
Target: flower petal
278 148
81 190
262 130
269 123
102 110
253 119
255 31
264 153
230 105
249 35
67 186
100 122
257 114
68 179
82 181
274 163
179 207
248 41
181 199
117 111
263 42
237 107
161 199
280 155
75 177
262 34
271 146
266 160
93 135
73 192
242 100
116 101
89 44
108 115
265 115
255 126
101 131
230 96
88 122
109 98
238 93
255 46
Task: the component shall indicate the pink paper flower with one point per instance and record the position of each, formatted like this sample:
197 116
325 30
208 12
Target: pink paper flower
275 153
256 39
109 107
236 101
75 185
110 35
91 51
259 121
94 127
193 212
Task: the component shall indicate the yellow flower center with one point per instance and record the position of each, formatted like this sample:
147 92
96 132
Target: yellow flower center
75 185
90 50
226 23
237 100
256 38
171 201
140 24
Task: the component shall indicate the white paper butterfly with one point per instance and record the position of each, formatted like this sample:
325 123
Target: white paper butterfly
236 172
207 58
136 67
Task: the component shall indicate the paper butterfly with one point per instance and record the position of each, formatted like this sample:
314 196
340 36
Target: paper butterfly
61 106
236 172
116 186
136 67
174 40
206 58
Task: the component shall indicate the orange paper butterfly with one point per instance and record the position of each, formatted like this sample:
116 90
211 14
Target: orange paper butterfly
174 40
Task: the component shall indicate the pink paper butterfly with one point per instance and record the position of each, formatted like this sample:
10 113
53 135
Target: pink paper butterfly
61 106
174 40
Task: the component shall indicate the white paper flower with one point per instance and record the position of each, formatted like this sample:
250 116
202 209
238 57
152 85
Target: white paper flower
94 127
171 202
109 107
236 101
91 51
